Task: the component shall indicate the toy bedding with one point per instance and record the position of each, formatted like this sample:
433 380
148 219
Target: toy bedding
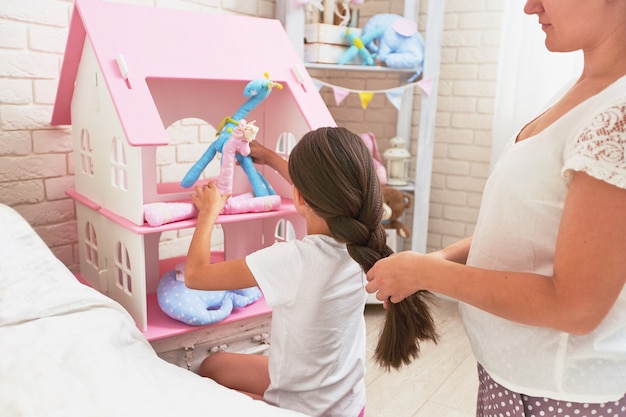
67 350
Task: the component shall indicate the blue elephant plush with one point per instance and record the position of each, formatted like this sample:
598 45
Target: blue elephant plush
397 43
197 307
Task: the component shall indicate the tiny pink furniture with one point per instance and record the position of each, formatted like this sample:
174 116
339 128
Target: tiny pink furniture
128 73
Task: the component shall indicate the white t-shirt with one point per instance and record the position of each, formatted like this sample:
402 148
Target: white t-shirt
516 231
317 350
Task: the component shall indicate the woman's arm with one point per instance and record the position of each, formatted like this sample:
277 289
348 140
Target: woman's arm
200 273
589 269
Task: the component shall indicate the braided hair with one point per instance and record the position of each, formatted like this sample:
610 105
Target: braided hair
334 172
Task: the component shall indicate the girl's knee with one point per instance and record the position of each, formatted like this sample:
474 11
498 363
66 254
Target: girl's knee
210 365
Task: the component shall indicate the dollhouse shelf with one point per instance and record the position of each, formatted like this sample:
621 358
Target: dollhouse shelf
161 326
286 207
367 68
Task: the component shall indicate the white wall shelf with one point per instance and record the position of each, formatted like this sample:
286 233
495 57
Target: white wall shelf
293 19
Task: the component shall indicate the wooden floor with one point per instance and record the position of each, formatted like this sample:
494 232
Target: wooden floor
441 383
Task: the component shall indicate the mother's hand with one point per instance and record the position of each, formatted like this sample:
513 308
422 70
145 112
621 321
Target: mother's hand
396 277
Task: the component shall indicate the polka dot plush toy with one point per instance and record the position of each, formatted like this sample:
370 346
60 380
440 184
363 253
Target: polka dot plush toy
198 307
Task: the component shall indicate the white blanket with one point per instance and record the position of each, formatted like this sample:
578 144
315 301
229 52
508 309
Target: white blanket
67 350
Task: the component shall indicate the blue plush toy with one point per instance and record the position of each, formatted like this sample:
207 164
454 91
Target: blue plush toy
357 46
396 43
256 91
196 307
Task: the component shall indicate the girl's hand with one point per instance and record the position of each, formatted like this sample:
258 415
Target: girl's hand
259 153
396 277
208 200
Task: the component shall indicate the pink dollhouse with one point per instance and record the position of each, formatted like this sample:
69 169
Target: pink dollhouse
128 73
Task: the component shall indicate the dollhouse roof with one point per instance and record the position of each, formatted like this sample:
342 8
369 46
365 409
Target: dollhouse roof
176 44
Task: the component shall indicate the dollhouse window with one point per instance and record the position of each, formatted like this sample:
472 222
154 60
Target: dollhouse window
119 175
122 269
86 153
286 142
284 231
91 245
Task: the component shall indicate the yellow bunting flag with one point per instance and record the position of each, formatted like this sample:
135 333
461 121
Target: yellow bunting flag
366 97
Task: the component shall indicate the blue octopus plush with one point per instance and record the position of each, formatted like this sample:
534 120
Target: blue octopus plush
197 307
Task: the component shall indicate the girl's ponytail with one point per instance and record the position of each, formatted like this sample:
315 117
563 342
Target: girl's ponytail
407 323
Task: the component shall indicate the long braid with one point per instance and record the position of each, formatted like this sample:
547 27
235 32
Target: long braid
334 171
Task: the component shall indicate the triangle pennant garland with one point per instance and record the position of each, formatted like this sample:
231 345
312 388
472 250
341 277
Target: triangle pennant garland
340 94
395 97
426 85
366 97
318 84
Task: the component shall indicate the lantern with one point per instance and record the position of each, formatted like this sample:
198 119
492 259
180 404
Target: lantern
398 159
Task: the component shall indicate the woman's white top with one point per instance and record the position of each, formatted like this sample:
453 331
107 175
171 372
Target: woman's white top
516 231
317 346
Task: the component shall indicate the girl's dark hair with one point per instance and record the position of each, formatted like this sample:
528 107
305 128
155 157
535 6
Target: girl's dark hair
334 172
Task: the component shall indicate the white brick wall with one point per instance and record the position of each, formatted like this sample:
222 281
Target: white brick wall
35 158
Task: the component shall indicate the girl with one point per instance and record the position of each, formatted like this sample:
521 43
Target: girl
316 290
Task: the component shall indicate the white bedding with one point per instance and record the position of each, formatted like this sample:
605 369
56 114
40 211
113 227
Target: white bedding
67 350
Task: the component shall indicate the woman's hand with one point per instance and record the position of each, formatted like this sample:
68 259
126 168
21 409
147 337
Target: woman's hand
208 200
396 277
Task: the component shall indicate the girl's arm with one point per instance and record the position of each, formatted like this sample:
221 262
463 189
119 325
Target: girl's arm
589 269
262 155
456 252
200 273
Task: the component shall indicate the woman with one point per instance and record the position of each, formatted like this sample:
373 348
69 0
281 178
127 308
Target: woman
542 279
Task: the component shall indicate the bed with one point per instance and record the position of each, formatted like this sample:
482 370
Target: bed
67 350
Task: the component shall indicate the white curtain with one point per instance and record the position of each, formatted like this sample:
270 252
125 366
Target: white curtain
529 75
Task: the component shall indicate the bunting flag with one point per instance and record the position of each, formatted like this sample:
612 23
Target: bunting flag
318 84
340 94
426 85
394 95
366 97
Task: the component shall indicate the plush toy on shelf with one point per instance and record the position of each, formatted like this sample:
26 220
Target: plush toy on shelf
397 42
237 144
398 202
357 46
256 91
197 307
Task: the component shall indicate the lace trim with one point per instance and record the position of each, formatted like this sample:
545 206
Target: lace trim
600 148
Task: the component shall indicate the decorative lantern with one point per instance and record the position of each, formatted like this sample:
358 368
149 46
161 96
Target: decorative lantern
398 159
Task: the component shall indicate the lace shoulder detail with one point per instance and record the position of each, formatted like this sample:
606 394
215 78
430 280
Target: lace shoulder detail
600 147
